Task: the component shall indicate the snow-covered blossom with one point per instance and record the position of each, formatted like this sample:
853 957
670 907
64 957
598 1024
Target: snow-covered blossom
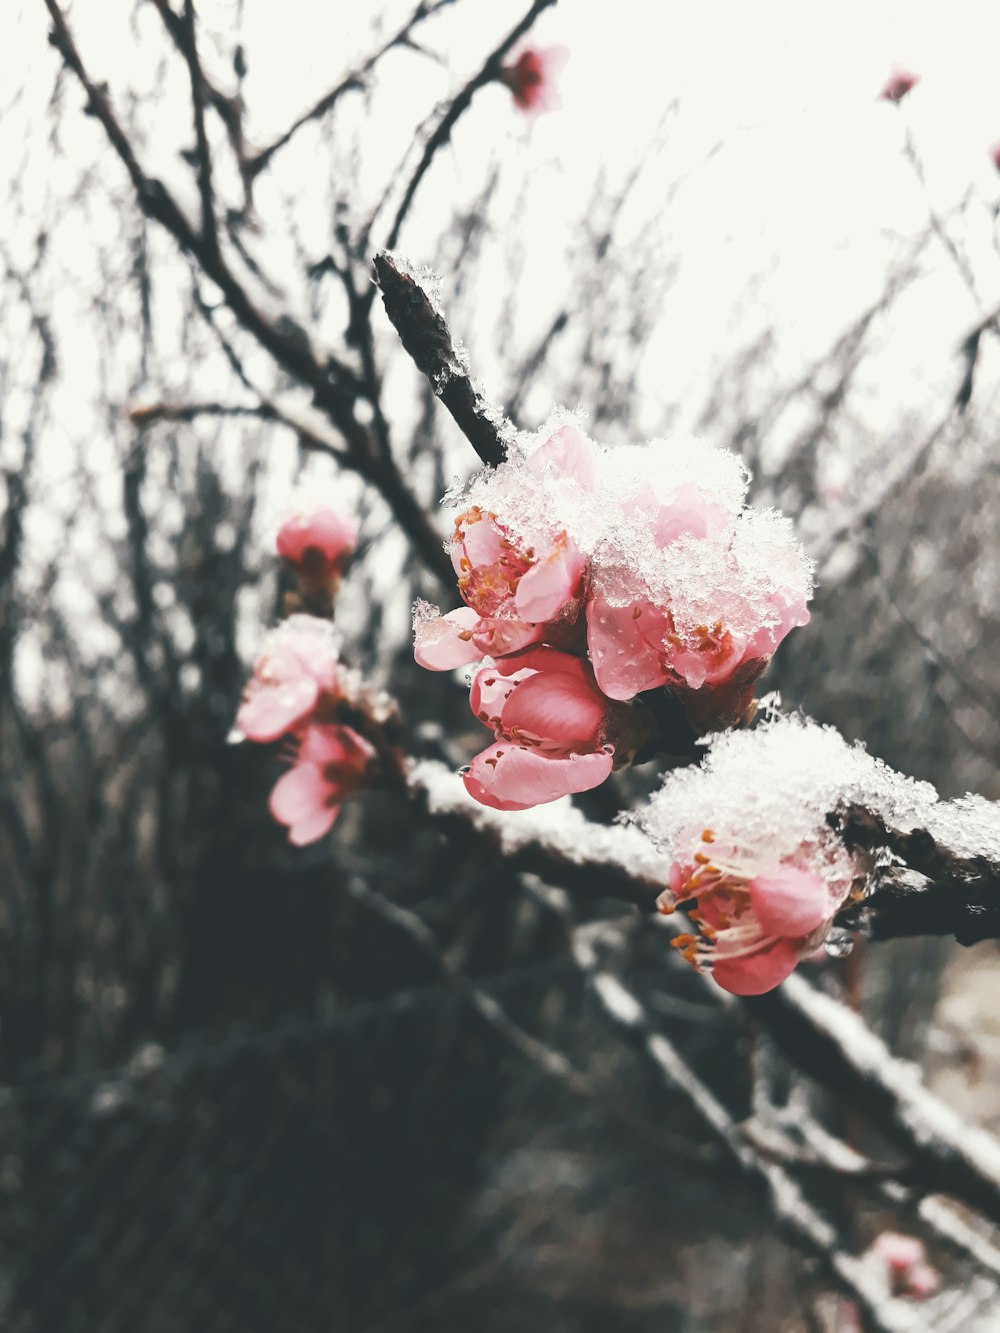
898 84
906 1264
331 762
316 540
555 731
753 852
532 78
296 674
643 560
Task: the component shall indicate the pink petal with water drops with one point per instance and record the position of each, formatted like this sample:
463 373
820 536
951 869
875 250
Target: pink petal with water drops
626 649
758 972
507 777
441 643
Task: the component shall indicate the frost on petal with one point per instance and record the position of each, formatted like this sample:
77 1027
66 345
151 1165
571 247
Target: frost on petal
789 901
298 663
758 972
508 777
269 712
566 453
627 647
443 642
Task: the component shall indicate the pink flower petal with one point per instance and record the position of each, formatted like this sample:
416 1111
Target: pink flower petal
550 585
789 902
688 514
567 454
442 643
498 638
301 800
269 711
478 539
508 777
627 650
541 657
559 710
757 972
489 693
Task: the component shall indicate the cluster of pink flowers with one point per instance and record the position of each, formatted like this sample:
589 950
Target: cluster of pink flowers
592 576
295 693
532 77
297 690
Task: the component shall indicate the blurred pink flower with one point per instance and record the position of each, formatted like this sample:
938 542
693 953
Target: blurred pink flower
753 928
552 726
296 670
898 84
905 1258
331 762
317 542
532 78
511 592
995 155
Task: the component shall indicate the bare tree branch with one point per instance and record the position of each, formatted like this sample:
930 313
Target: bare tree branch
425 336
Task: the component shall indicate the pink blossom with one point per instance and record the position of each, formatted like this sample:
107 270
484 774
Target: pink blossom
552 728
754 925
331 763
511 592
995 155
637 647
294 675
898 84
905 1259
532 78
317 541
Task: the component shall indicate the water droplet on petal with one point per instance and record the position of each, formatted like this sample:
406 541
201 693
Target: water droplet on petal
235 736
466 768
839 943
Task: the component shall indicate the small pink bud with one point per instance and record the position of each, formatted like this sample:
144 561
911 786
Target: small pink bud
898 84
532 78
995 155
317 542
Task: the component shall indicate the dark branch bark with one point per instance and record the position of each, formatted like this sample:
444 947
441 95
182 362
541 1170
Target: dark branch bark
425 336
960 896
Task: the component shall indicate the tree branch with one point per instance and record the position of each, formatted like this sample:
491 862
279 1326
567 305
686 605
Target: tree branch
425 336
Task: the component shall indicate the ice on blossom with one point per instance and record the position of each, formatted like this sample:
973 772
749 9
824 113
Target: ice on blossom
532 78
906 1264
296 671
898 84
317 540
331 762
752 850
556 733
700 615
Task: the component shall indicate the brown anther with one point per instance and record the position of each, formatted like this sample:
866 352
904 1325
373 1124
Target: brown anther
492 763
683 942
465 635
707 835
636 612
708 931
702 859
666 909
675 640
